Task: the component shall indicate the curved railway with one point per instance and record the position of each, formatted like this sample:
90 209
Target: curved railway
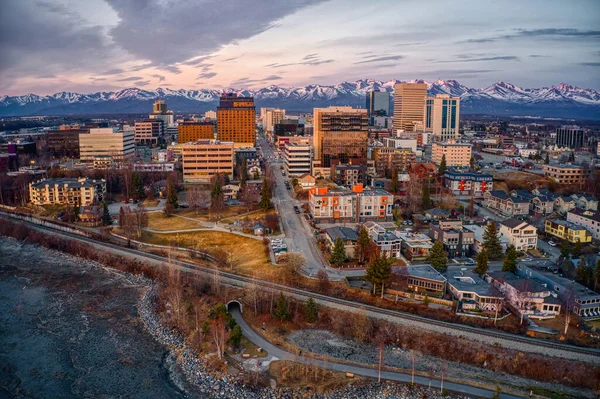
241 281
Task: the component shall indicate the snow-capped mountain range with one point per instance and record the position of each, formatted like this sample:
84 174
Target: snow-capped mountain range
498 99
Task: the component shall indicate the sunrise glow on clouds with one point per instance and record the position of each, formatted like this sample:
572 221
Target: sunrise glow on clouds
70 45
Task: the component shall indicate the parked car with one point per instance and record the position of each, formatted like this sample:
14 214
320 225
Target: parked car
469 261
552 243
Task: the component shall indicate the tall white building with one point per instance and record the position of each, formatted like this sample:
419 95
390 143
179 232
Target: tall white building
272 116
105 142
442 114
298 159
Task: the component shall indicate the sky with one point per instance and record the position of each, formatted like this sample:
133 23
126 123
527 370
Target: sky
85 46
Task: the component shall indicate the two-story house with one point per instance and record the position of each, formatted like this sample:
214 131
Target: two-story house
520 234
458 242
505 204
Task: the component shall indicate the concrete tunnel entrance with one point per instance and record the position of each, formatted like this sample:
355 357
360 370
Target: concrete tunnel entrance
234 304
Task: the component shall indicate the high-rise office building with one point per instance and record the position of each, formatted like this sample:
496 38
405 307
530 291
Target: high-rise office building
236 120
105 142
205 158
456 154
409 101
160 112
378 103
570 136
148 131
272 117
340 135
193 131
442 114
159 107
64 142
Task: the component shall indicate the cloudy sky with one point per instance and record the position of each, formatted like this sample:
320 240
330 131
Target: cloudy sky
48 46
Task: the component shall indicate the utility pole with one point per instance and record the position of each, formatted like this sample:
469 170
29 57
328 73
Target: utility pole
380 361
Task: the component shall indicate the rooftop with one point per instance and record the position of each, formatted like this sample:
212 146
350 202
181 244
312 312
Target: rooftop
345 233
593 215
521 284
467 281
66 181
569 225
513 223
424 271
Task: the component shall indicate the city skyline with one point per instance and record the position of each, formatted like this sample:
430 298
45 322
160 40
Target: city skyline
107 45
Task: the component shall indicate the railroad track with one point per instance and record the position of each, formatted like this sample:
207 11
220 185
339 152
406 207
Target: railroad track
243 280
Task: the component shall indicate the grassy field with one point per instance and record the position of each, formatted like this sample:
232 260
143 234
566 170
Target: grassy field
251 349
257 214
246 255
160 222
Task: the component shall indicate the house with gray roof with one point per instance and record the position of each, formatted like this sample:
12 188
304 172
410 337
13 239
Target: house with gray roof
505 204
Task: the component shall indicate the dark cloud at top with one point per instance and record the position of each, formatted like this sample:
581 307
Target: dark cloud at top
497 58
186 27
554 32
45 35
380 59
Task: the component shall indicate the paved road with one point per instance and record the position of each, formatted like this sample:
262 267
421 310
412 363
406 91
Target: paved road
365 371
297 236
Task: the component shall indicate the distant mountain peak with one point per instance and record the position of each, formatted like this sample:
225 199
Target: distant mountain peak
498 98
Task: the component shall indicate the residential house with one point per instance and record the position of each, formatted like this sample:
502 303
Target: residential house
307 180
423 170
586 202
526 297
90 215
415 246
585 303
230 191
473 292
564 204
458 242
388 242
588 219
259 229
505 204
520 234
567 231
437 213
349 237
425 280
478 241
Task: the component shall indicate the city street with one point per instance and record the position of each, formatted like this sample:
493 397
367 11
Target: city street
298 235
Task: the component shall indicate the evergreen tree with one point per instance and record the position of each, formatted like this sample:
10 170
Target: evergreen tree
597 276
256 175
395 186
568 269
216 196
243 173
576 249
425 197
565 249
491 241
311 312
510 261
282 308
121 217
547 160
338 254
362 242
137 188
172 194
581 271
379 272
572 156
106 218
472 163
265 201
482 263
235 337
438 258
442 168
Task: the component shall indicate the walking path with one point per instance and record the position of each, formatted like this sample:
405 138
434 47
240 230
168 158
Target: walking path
366 371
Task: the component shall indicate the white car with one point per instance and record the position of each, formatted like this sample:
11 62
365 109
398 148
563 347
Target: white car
552 243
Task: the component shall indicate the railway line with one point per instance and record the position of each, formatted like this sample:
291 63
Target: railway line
504 339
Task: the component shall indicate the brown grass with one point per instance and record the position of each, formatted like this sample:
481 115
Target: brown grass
300 377
247 255
207 216
160 222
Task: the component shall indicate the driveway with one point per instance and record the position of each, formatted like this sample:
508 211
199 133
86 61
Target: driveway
365 371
